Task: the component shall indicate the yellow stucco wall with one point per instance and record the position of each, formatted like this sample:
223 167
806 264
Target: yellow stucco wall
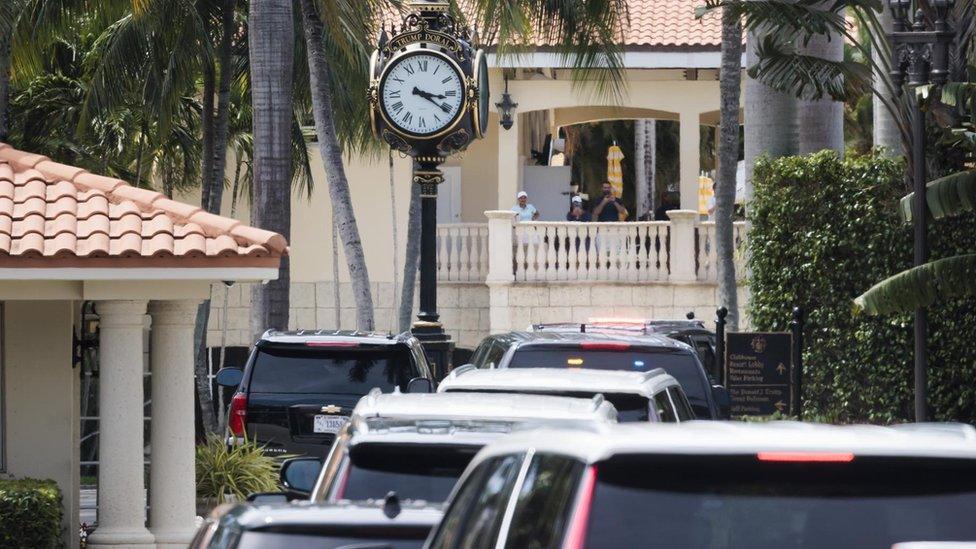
41 399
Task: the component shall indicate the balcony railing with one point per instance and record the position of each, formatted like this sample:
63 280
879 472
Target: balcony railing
682 249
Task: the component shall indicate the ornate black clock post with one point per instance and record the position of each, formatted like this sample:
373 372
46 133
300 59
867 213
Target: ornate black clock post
429 98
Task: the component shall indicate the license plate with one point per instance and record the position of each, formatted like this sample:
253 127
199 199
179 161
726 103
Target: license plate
328 424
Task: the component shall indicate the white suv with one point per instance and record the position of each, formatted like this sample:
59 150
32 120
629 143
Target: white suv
717 486
417 445
637 396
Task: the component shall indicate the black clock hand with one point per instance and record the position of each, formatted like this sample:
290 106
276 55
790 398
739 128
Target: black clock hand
430 97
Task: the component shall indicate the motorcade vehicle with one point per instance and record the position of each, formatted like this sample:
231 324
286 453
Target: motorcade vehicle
417 445
385 524
626 351
298 388
638 396
718 485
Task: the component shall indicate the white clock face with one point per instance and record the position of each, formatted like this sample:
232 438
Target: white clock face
422 94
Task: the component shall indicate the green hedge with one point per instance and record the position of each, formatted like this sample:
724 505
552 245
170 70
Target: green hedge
30 514
823 231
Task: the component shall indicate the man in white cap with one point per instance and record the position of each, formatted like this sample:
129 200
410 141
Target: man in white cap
576 211
525 211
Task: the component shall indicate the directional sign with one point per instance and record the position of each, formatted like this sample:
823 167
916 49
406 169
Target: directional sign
759 373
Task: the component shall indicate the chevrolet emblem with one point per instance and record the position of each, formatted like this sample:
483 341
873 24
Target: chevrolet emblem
331 409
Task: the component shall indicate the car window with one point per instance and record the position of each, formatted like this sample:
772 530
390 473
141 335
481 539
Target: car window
495 354
683 366
544 502
475 515
325 540
705 346
337 371
414 472
662 404
681 405
738 502
481 353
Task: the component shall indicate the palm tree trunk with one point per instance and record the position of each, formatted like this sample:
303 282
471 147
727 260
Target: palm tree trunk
886 131
770 118
411 261
645 146
396 241
728 150
272 41
329 149
4 84
821 123
207 129
222 122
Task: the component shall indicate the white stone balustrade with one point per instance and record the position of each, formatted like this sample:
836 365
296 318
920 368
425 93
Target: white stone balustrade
503 251
462 252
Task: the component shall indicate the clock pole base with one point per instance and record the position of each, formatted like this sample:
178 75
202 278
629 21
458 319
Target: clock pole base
437 346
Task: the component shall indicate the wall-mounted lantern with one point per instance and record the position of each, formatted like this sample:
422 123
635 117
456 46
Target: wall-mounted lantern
506 109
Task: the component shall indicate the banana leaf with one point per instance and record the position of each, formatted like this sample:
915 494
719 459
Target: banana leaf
947 196
952 277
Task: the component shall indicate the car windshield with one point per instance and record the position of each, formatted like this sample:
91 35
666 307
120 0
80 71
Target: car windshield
337 371
684 367
740 502
415 472
412 538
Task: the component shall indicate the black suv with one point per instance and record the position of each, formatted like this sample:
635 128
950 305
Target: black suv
298 388
607 351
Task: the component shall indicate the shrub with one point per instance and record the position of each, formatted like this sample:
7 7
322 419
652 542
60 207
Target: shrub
237 470
30 514
823 231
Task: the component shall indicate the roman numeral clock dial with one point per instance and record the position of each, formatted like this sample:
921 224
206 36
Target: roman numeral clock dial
421 94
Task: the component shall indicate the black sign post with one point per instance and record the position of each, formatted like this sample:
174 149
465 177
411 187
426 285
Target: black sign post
759 373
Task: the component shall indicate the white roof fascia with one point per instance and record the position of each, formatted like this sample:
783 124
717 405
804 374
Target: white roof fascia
239 274
631 59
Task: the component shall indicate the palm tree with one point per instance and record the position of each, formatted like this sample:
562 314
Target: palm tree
821 121
321 80
885 130
730 84
271 28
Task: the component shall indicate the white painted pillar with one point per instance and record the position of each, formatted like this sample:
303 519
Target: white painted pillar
501 224
682 251
172 488
690 158
121 494
509 164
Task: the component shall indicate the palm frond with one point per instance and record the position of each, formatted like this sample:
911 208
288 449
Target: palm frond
948 278
783 68
792 19
945 197
587 35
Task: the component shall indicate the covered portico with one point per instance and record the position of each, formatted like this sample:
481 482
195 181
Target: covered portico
68 237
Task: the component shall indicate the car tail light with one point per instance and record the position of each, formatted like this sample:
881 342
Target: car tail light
604 346
576 536
237 422
331 344
805 457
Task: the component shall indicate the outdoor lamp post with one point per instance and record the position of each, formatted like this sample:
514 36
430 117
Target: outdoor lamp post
506 108
920 56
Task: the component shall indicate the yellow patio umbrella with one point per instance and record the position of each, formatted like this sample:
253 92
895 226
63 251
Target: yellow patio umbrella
615 174
706 191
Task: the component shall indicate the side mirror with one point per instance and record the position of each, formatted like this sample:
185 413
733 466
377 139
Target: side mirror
420 385
298 475
723 401
230 377
268 497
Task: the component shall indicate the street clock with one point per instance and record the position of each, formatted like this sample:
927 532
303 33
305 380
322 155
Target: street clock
429 93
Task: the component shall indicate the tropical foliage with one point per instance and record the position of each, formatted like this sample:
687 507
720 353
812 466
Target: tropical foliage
30 514
238 470
824 229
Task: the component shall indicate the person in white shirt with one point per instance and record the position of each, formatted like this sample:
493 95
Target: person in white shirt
525 211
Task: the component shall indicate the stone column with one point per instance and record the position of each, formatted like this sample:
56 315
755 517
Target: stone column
690 158
509 164
682 252
172 487
500 267
121 494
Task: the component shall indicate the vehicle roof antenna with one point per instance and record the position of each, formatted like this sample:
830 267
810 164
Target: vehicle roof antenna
582 328
391 505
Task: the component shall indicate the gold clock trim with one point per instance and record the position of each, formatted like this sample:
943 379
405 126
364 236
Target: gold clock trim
479 58
420 50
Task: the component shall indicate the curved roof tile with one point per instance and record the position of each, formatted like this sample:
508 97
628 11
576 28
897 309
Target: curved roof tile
55 211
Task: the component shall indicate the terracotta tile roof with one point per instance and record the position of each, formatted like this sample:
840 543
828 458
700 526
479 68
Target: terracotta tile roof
61 216
653 24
